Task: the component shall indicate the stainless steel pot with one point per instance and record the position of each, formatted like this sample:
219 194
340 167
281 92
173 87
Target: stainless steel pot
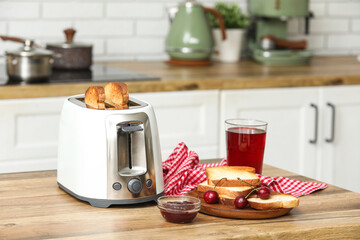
72 55
29 63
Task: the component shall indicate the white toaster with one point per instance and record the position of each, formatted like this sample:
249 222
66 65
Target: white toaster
108 157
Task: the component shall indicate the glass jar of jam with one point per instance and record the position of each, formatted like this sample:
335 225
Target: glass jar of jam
179 209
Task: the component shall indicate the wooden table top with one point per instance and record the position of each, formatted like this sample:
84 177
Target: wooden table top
246 74
33 207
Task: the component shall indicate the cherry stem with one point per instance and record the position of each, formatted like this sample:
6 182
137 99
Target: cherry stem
254 189
218 182
246 182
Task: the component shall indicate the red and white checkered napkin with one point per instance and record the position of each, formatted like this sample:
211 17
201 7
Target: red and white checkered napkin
182 172
291 186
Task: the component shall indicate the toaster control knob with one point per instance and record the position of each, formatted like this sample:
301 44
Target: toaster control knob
149 183
116 186
135 185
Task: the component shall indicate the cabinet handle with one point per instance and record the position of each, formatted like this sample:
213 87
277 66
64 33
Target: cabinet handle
332 136
313 141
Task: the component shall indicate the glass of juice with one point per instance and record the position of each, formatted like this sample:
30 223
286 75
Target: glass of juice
245 142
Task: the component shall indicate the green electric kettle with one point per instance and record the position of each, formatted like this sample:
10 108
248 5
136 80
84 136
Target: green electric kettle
190 36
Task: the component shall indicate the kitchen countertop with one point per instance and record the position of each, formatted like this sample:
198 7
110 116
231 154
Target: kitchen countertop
33 207
323 71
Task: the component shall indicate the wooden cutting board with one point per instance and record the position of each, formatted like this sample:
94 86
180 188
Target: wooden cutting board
221 210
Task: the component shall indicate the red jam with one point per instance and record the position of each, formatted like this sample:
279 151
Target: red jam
178 212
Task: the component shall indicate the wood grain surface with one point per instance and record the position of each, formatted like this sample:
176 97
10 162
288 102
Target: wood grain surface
33 207
323 71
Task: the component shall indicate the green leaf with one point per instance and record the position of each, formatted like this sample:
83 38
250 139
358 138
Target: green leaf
232 16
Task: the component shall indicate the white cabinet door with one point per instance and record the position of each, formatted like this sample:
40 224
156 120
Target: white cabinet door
291 124
29 133
340 162
190 117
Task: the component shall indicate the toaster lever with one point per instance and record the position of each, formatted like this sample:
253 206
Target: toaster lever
131 129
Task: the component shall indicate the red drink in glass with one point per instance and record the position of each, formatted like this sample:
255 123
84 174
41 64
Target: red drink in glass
245 147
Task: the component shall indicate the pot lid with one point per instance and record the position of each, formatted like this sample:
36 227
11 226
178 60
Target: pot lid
69 34
28 50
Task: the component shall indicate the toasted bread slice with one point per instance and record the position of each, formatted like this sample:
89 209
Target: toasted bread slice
277 200
227 200
228 191
244 168
117 107
229 176
95 97
124 91
117 94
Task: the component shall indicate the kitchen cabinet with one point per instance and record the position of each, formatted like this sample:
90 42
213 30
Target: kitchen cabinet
188 116
290 121
29 127
301 124
29 134
340 136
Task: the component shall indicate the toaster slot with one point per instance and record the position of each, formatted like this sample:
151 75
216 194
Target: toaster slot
132 104
131 149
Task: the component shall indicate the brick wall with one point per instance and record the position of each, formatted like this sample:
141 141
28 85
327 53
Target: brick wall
136 30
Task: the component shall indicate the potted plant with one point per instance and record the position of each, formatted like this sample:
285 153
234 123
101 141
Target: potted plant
235 22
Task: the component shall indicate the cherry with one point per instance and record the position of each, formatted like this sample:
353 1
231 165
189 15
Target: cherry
211 196
240 202
263 185
263 193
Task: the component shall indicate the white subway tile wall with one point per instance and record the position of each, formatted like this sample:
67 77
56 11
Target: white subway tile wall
136 30
330 26
19 10
355 25
37 28
344 8
2 27
139 10
63 9
105 28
